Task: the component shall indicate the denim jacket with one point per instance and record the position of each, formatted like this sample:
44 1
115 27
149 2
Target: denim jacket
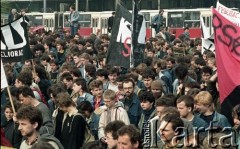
219 120
85 97
93 122
134 110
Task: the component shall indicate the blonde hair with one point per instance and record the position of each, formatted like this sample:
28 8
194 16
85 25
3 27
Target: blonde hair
203 97
109 94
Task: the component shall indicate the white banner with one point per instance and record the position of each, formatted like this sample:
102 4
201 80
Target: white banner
4 82
231 15
207 39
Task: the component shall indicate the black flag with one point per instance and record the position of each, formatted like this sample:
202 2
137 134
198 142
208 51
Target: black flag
14 41
120 43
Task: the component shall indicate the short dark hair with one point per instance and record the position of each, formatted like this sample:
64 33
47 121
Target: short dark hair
113 127
55 89
181 72
148 73
175 121
32 114
113 70
129 80
165 102
38 47
95 84
85 106
67 76
64 99
25 77
188 100
102 72
81 82
132 132
25 91
207 69
72 7
171 111
147 96
90 69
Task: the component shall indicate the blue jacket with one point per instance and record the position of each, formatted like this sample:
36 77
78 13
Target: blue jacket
134 110
93 123
87 97
219 120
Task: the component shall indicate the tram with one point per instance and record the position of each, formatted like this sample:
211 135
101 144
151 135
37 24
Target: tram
96 22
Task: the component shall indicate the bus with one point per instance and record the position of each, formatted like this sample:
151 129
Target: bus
96 22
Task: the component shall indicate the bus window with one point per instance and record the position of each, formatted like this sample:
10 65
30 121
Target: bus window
95 22
175 19
192 19
35 20
85 20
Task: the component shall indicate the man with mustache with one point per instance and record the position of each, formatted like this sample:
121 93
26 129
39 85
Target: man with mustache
131 102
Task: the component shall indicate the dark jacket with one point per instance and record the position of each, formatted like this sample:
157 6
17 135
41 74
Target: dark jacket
110 23
158 21
48 137
73 131
133 109
12 133
93 122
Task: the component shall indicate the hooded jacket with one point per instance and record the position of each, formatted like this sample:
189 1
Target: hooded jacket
117 113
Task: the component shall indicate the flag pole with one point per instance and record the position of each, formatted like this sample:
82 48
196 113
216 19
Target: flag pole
134 39
11 100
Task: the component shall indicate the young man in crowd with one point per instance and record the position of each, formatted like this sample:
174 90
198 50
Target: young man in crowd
102 75
147 101
96 87
91 117
30 121
81 89
113 73
206 72
129 138
148 76
157 89
67 80
205 106
131 102
113 112
111 133
182 77
84 60
26 97
171 132
185 105
73 125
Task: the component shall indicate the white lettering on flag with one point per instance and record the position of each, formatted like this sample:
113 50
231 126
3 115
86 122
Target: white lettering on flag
124 31
8 36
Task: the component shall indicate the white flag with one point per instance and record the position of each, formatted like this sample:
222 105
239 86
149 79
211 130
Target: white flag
4 82
207 39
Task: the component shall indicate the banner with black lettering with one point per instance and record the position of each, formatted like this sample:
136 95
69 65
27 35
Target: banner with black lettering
120 43
227 37
231 15
14 41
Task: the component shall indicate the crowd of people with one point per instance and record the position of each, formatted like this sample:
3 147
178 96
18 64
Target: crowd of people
68 97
